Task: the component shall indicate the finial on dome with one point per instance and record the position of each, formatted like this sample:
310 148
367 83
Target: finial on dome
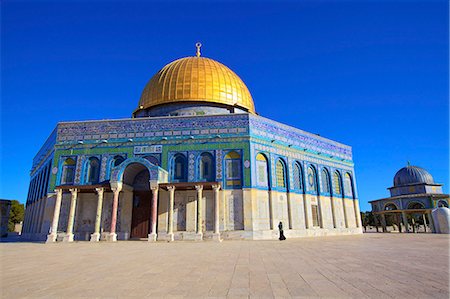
407 163
198 45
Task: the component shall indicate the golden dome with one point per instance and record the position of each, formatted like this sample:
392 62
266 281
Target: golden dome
196 79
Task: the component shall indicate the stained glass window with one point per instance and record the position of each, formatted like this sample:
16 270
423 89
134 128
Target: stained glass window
179 171
281 174
337 183
262 177
233 169
206 167
93 171
325 181
68 173
298 177
312 181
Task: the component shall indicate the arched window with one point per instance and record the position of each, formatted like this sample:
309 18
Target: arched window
337 183
118 160
348 185
93 172
298 177
179 168
390 207
68 171
325 181
312 179
262 171
281 174
206 168
415 206
233 169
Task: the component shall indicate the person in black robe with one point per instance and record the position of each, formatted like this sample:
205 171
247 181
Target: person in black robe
280 227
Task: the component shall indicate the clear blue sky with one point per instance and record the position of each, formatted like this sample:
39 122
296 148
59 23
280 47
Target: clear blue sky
370 74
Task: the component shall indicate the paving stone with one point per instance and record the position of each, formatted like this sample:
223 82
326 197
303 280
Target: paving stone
367 266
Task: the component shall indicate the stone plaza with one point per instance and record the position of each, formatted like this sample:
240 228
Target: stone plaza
359 266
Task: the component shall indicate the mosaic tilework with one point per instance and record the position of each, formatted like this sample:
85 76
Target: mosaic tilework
177 127
264 127
103 167
153 127
219 159
191 167
80 163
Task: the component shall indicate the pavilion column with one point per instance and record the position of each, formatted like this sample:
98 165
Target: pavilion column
424 223
73 205
54 229
199 189
112 233
95 237
171 205
216 234
345 212
154 214
383 223
376 222
405 221
430 221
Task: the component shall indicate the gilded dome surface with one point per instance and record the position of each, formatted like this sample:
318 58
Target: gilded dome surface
196 79
412 175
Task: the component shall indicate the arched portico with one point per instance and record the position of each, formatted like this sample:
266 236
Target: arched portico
143 178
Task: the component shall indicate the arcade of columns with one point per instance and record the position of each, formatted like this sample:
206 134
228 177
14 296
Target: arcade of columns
380 218
95 237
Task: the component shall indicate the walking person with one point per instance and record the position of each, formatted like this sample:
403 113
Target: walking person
280 228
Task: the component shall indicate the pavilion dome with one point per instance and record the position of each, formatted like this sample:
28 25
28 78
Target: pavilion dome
196 79
412 175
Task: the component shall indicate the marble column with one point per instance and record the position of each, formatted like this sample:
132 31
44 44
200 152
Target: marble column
199 235
375 218
95 237
115 205
383 223
54 229
70 223
405 221
424 223
171 205
154 215
216 234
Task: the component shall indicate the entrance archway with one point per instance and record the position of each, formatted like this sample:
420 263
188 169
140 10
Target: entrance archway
137 176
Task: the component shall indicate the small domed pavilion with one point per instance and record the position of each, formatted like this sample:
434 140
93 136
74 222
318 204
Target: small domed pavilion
413 196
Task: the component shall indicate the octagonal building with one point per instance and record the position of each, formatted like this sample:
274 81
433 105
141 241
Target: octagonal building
195 162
